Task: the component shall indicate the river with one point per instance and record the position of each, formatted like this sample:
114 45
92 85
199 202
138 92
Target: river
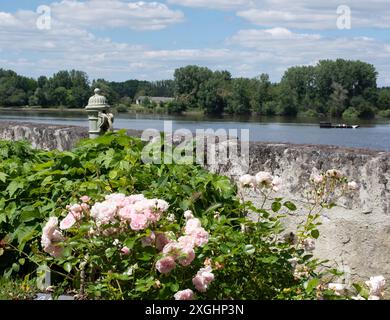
372 134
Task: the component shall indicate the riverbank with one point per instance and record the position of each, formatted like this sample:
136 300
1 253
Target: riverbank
199 114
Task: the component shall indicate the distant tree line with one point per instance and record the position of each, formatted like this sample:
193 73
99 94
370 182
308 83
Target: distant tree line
339 88
72 89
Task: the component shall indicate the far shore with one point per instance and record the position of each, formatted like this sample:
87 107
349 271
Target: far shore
137 110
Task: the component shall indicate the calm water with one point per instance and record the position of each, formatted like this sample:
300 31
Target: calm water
373 134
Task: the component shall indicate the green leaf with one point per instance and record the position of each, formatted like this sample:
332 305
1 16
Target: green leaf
68 267
118 276
24 234
249 249
276 206
29 215
22 261
315 233
291 206
174 287
14 186
311 284
1 251
224 248
110 252
113 174
3 177
144 285
130 243
15 267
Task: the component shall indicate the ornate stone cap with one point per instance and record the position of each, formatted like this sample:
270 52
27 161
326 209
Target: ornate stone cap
97 101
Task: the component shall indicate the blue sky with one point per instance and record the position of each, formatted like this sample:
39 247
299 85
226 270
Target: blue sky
121 39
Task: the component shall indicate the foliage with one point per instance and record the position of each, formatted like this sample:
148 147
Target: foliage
330 87
17 290
385 113
248 258
384 99
33 184
351 114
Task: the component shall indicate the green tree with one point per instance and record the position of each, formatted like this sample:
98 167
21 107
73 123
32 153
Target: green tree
261 94
239 101
188 81
337 99
213 92
384 99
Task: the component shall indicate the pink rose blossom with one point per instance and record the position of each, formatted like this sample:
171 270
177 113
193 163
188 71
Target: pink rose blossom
126 212
187 294
264 179
77 211
51 237
76 208
115 197
201 237
166 265
125 251
85 199
186 242
50 227
138 222
191 225
151 215
135 198
172 248
187 255
67 222
353 186
247 181
376 285
203 279
159 205
277 184
188 215
104 212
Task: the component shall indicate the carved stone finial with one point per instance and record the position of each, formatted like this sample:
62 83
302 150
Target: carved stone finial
100 119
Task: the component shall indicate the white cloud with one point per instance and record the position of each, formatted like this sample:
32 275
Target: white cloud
302 14
69 45
307 14
116 13
282 48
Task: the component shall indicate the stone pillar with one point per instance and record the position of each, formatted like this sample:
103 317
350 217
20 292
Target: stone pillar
99 117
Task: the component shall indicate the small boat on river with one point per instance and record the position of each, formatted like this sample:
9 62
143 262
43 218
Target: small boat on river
329 125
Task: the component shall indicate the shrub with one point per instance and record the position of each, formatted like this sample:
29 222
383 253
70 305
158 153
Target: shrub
351 114
147 231
121 108
385 113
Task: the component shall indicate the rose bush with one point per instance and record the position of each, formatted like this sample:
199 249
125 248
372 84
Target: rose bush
111 227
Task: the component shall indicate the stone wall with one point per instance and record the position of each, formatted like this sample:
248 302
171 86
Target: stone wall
356 234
